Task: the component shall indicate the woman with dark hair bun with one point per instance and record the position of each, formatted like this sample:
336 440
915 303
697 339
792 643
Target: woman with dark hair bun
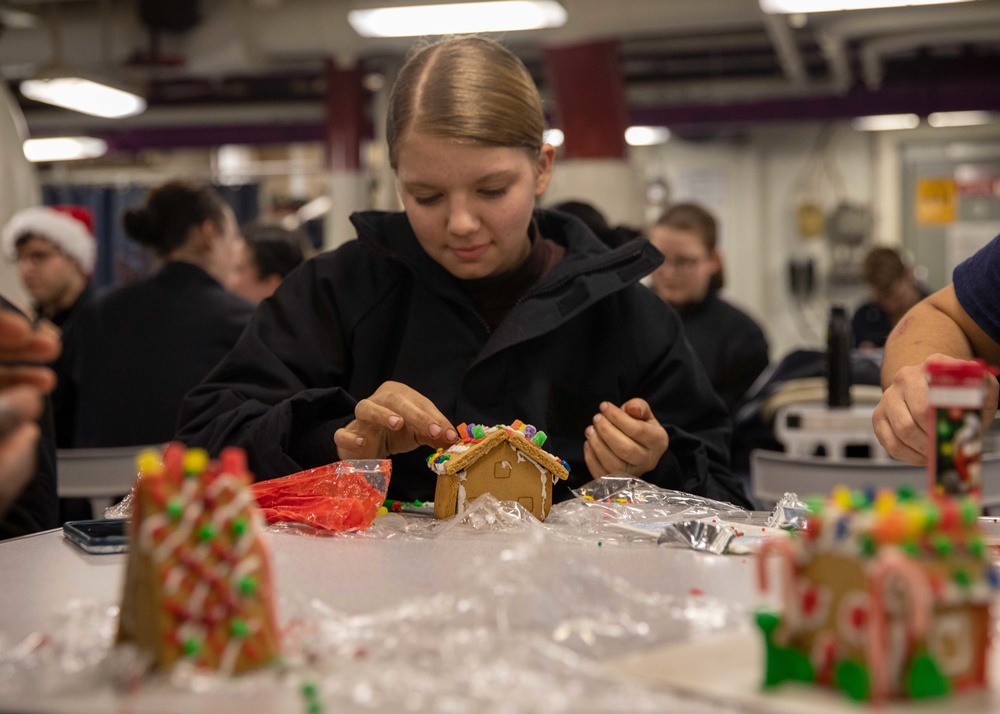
143 346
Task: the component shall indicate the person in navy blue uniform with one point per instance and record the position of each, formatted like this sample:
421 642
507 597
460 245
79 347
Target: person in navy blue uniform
959 322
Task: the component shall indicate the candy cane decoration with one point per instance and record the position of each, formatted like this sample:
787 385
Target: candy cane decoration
790 604
894 562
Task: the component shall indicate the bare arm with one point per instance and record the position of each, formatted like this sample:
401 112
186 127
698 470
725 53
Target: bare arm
936 328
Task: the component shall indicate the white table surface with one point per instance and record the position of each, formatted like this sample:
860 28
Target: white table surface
42 573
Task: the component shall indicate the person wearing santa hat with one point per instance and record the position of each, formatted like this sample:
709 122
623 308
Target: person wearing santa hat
54 250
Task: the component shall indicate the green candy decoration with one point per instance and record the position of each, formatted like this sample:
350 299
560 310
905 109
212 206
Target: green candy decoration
239 628
933 514
239 526
942 544
925 678
905 493
783 663
478 432
248 585
206 532
976 547
868 545
853 679
962 578
539 438
175 509
815 504
970 511
191 647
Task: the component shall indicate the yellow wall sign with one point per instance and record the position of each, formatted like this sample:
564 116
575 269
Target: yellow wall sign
936 201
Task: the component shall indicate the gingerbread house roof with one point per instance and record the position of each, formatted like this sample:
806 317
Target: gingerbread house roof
946 531
478 440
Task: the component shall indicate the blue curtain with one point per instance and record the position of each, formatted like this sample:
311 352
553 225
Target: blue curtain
121 260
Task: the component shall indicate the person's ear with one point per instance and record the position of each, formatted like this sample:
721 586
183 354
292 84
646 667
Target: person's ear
272 282
205 233
543 170
715 258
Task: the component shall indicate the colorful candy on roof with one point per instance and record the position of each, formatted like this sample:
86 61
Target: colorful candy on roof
470 434
507 461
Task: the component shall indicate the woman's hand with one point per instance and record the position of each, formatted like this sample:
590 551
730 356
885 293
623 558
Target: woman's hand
393 420
627 439
900 419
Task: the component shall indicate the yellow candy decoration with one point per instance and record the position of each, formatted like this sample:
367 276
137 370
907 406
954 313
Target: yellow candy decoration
148 463
842 498
885 502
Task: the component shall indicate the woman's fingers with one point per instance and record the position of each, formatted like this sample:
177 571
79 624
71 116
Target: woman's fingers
395 406
20 342
632 433
42 378
602 459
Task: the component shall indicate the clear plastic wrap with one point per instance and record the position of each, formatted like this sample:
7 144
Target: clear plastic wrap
524 627
623 509
790 513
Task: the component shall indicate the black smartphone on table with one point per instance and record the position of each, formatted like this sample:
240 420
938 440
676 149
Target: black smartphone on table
98 536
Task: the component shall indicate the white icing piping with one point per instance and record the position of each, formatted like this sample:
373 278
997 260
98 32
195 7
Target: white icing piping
521 456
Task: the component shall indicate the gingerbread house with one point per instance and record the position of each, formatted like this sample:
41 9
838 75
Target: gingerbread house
198 585
505 461
882 596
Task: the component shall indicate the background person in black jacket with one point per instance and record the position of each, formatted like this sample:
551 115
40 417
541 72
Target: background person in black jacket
140 348
730 345
470 306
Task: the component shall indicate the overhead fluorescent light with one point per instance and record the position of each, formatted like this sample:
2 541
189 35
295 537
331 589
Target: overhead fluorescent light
457 18
943 119
807 6
64 148
886 122
554 137
80 94
646 135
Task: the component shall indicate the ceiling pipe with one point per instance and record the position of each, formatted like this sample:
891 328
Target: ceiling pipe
789 56
833 38
871 53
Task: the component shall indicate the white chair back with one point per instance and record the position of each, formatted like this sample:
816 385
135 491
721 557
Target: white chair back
97 474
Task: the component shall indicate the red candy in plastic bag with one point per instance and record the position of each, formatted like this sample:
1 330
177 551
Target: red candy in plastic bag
341 496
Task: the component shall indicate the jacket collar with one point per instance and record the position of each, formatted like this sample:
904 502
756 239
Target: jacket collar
390 234
589 272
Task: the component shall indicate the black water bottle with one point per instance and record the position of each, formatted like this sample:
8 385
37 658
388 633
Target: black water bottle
838 358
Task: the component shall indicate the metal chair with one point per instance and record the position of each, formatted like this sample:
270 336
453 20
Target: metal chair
97 474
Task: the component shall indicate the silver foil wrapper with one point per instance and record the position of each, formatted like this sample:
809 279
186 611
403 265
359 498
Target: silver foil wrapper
698 535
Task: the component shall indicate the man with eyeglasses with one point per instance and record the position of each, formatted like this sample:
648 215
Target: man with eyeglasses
54 250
